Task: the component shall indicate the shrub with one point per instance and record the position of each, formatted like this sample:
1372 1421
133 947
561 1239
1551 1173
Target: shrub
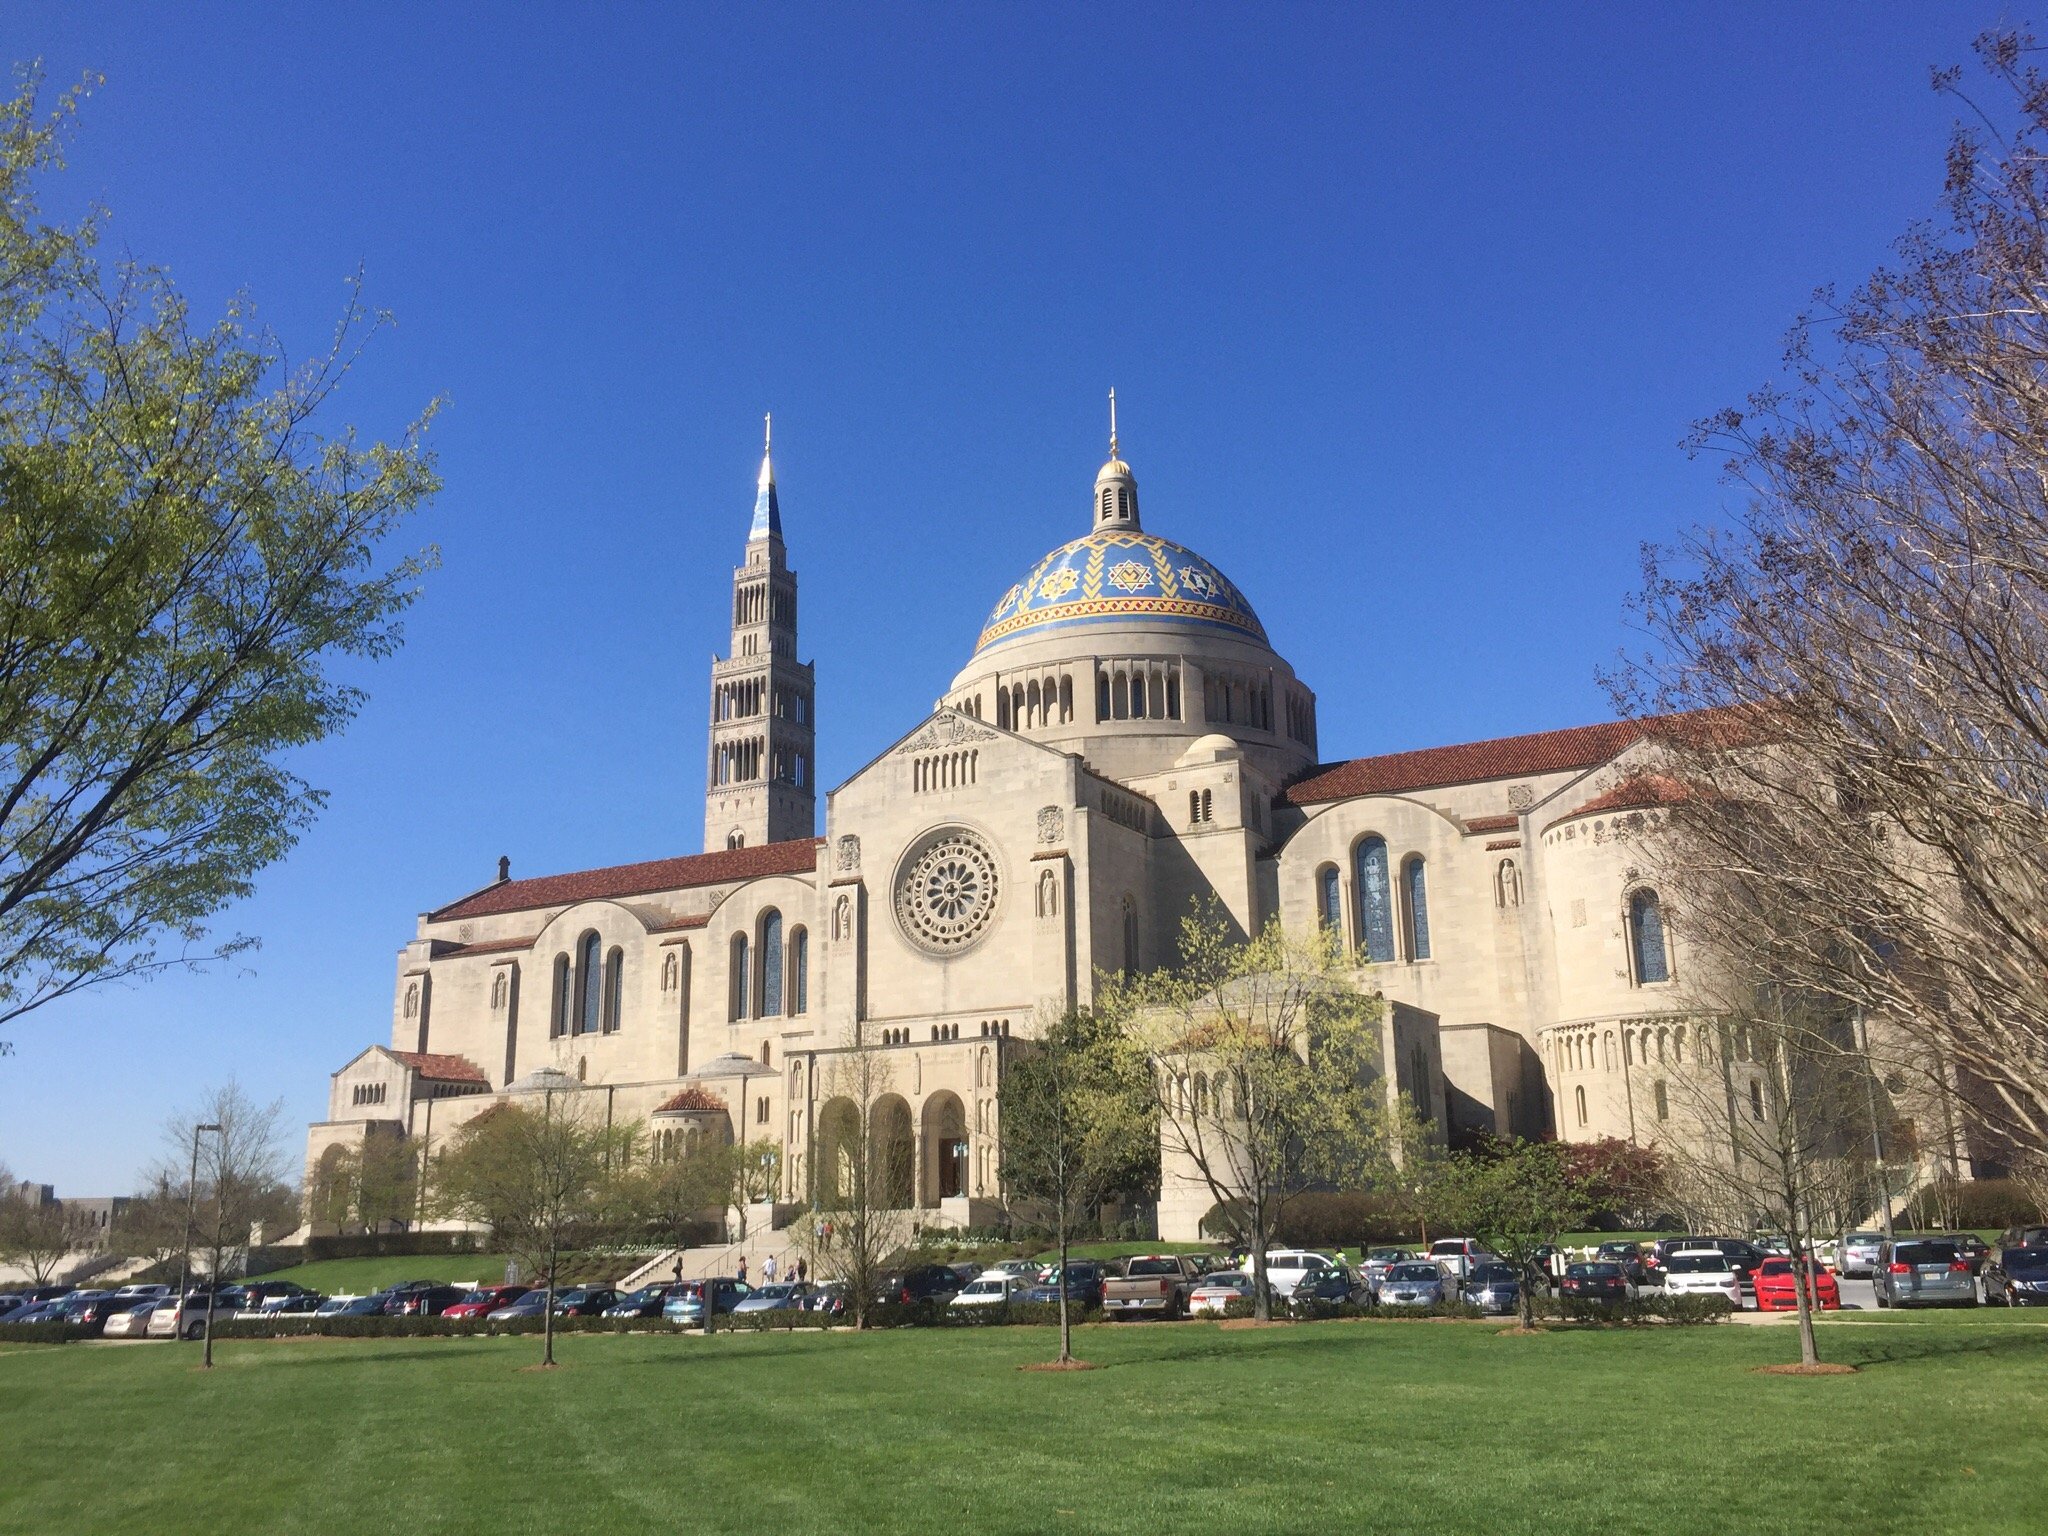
1687 1310
1987 1203
44 1333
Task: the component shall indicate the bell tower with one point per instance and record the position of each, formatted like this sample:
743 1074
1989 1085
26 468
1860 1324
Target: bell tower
759 781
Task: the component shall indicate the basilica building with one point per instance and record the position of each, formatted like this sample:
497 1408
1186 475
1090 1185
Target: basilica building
1122 740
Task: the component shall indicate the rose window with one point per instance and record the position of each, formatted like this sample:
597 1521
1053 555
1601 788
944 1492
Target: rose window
947 893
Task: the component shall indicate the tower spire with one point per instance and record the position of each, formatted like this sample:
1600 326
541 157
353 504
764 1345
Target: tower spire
767 513
1112 422
1116 488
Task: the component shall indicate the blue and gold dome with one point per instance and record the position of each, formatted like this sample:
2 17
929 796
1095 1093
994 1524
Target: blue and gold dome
1120 575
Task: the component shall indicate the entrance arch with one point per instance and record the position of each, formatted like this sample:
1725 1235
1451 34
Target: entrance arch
944 1149
892 1152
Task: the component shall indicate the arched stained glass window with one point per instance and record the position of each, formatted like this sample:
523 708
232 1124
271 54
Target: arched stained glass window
800 971
771 963
1415 892
590 978
1646 936
564 998
1330 898
1375 901
736 979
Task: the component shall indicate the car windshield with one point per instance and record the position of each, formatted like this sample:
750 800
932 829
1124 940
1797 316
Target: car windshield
1494 1274
1698 1264
1153 1267
1230 1278
1387 1255
1451 1248
983 1288
2026 1258
1926 1253
776 1292
1867 1239
1593 1271
1413 1272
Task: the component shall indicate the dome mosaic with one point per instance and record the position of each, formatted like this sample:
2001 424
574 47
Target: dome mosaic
1118 575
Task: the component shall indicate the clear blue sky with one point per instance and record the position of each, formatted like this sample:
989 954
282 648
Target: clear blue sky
1407 308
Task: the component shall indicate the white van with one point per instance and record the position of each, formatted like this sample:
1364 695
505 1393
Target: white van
1288 1267
1458 1254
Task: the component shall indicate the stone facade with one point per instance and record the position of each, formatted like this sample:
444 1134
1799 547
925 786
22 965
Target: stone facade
1123 740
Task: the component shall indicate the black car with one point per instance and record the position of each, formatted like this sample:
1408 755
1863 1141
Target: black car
2023 1237
1743 1256
645 1302
927 1282
1603 1280
257 1292
584 1301
424 1301
1333 1282
2018 1277
1629 1256
1083 1283
1492 1288
94 1311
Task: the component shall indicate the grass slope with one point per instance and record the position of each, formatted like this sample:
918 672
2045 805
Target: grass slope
1386 1427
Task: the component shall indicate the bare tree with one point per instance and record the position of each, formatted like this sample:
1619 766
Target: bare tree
1874 632
545 1179
862 1176
235 1177
1265 1070
35 1233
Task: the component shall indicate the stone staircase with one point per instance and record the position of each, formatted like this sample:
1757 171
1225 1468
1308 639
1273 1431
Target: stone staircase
718 1259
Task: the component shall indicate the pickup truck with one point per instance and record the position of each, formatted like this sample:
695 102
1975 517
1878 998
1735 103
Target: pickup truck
1152 1285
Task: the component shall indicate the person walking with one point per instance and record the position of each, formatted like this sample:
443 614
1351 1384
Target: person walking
803 1269
740 1274
768 1270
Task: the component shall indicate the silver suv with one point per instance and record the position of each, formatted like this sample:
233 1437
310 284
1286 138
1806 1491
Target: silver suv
1924 1272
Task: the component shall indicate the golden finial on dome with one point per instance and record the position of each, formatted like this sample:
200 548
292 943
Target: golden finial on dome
1112 421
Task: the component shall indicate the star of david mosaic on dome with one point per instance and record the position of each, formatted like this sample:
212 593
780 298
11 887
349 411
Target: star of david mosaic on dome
1121 574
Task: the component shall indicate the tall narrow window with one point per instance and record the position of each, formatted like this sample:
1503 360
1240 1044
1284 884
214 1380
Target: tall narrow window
1415 895
1663 1101
1330 898
562 998
1756 1100
1646 938
1375 901
771 964
799 971
590 984
1130 938
736 979
614 980
1579 1098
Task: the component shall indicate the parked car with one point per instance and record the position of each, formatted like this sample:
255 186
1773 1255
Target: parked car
1975 1251
1493 1287
423 1301
1776 1286
134 1322
965 1273
993 1289
1857 1257
2022 1237
584 1300
1152 1285
1333 1282
1421 1283
51 1311
827 1297
485 1300
1082 1281
782 1296
93 1311
1702 1272
1457 1255
353 1306
1923 1272
530 1304
1628 1255
256 1294
187 1319
1016 1269
685 1303
144 1292
645 1302
1212 1293
1288 1267
2018 1277
304 1304
1378 1260
1597 1280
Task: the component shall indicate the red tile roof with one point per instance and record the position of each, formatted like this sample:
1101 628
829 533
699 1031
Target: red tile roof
690 1098
796 856
443 1069
691 920
1572 750
1639 792
1493 823
1504 842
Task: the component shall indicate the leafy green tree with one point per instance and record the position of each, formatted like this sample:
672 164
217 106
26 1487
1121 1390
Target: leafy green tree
1514 1198
753 1173
1263 1058
544 1179
1078 1125
670 1199
184 555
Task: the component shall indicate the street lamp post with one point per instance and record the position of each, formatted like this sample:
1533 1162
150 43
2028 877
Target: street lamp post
191 1195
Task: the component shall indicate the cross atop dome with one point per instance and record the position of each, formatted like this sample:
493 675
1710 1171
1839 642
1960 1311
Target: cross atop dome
767 514
1116 488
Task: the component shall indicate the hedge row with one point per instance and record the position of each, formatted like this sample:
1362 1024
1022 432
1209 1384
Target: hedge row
44 1333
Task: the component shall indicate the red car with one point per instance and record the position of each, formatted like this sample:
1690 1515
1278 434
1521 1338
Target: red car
487 1300
1775 1293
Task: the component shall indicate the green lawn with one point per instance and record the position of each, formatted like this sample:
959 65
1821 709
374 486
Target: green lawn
1373 1426
358 1277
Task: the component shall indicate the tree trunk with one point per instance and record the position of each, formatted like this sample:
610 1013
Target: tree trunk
1262 1294
1525 1295
547 1325
1066 1326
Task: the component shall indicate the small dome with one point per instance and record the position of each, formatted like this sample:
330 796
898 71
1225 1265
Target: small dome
1118 575
1213 748
1115 469
733 1064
